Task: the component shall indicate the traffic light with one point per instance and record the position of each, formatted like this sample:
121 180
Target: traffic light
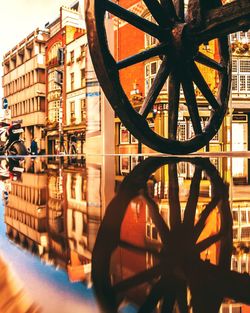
59 77
60 56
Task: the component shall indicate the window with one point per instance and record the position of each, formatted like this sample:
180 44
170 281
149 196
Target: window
83 51
72 81
72 112
83 110
240 36
150 73
181 131
241 75
151 70
72 56
83 77
245 233
150 40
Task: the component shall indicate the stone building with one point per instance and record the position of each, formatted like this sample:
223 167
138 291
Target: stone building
24 85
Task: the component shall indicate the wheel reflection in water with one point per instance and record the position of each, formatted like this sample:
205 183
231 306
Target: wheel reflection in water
181 277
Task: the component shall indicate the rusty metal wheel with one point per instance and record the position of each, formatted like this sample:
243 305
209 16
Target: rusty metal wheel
179 33
177 261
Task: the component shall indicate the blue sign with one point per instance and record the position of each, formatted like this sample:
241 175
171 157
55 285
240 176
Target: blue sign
5 104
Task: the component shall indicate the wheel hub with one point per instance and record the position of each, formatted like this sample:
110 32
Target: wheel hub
183 46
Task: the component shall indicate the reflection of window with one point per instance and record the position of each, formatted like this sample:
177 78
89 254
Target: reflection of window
134 161
124 135
124 164
133 139
84 224
73 220
151 232
84 189
73 186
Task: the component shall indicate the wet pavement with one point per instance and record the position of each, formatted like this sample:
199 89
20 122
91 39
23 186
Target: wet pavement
125 234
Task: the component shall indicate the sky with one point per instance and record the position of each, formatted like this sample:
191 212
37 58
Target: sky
18 18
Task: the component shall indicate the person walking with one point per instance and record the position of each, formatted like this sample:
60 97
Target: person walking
34 147
73 141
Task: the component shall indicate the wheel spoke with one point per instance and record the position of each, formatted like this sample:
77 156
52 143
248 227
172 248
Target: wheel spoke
138 279
203 86
142 56
168 4
156 87
179 8
159 13
182 297
160 224
135 20
206 243
189 93
190 210
173 196
168 303
204 215
173 104
205 60
153 298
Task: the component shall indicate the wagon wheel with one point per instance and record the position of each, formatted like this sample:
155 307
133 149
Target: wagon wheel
176 265
179 39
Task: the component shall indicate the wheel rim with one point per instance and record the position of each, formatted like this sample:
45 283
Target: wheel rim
178 49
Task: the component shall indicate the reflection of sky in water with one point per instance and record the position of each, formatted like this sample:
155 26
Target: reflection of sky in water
47 286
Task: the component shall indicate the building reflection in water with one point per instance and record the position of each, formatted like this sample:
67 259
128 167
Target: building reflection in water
25 212
167 241
55 208
171 246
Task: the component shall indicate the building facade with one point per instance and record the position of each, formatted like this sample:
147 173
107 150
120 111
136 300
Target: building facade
63 31
75 112
24 85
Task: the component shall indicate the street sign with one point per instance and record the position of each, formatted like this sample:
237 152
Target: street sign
7 114
5 104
